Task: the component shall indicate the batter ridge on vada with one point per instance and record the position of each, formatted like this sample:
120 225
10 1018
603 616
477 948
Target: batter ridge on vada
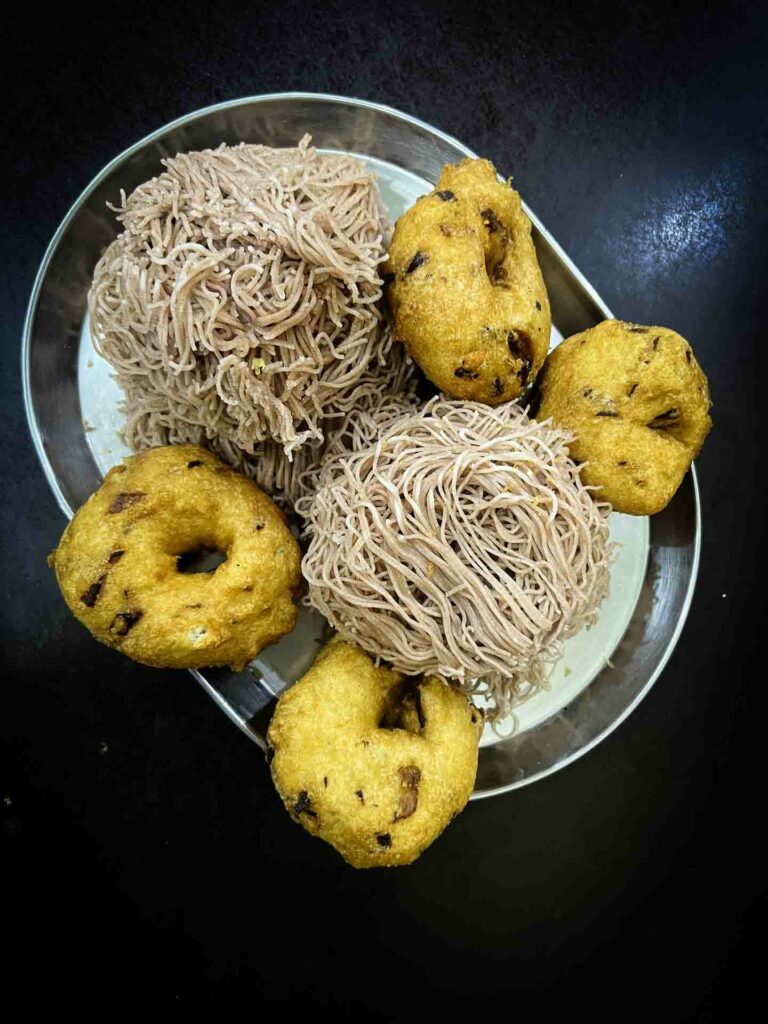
638 404
374 763
465 288
120 562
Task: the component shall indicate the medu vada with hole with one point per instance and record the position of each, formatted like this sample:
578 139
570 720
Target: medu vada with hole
465 289
373 762
121 562
638 403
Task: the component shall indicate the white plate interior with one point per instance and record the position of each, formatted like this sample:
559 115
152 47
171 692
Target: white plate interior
585 655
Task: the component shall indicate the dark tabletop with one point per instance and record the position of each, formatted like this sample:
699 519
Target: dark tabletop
146 858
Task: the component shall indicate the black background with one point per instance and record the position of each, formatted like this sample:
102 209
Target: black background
146 857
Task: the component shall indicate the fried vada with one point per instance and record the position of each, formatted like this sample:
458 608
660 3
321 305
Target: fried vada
638 403
121 562
374 763
465 288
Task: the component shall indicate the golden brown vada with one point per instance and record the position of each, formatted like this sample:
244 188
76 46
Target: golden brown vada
466 291
118 563
373 763
638 403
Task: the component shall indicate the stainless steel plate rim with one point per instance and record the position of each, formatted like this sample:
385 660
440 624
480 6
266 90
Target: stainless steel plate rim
641 694
64 504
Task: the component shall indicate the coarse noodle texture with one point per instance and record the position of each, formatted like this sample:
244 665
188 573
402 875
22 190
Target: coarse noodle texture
464 543
241 301
383 393
358 429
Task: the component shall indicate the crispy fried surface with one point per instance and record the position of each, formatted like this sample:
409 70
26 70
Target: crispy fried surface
468 297
117 562
379 795
638 403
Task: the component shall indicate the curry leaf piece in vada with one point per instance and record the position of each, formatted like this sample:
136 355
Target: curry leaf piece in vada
373 762
638 403
465 288
121 563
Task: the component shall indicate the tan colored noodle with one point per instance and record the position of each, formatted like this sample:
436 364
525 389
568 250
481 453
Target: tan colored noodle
462 542
382 393
387 399
241 301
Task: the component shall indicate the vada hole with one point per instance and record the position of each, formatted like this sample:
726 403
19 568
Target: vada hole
200 559
490 221
404 709
494 262
520 349
519 346
495 246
